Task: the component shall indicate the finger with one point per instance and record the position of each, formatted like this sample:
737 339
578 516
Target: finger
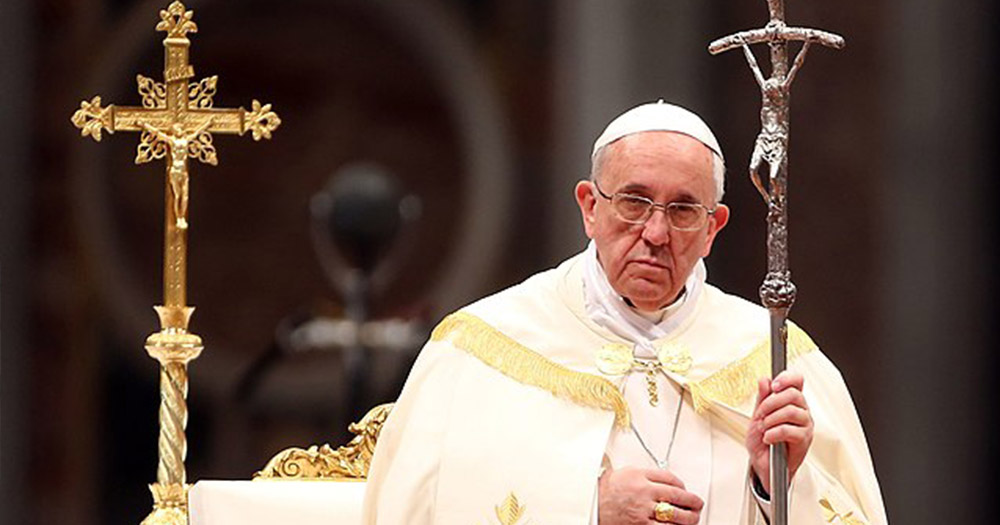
678 497
664 477
763 389
792 435
788 414
680 516
788 379
775 401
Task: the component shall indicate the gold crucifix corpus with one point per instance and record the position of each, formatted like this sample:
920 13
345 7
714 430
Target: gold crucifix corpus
177 117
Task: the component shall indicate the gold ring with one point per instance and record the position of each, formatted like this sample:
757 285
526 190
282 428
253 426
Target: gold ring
663 512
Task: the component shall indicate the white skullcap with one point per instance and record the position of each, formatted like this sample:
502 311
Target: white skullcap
658 116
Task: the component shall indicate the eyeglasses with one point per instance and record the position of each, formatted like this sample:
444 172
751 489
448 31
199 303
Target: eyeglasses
636 209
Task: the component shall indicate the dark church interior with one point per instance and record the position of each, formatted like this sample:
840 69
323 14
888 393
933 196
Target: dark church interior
426 157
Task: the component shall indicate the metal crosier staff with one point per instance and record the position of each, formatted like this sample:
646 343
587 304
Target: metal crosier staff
777 293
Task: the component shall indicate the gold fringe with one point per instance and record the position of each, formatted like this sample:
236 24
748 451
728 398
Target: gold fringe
473 335
736 382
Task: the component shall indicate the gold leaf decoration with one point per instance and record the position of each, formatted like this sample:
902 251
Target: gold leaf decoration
614 359
203 149
201 94
262 121
150 147
91 118
154 94
350 461
510 511
830 514
177 21
675 357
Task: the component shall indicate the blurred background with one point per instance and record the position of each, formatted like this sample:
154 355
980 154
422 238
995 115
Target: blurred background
426 158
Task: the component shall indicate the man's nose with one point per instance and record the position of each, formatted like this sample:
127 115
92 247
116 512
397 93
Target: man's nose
656 231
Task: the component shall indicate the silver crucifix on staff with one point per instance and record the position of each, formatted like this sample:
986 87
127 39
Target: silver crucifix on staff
777 293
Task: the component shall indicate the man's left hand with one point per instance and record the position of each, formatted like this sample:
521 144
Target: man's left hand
780 416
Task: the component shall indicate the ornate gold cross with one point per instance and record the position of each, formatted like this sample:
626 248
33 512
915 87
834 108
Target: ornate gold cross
177 118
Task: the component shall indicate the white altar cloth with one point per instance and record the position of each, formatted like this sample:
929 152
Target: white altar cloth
215 502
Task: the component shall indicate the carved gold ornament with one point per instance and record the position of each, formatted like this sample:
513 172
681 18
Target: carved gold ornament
177 21
91 118
614 359
675 358
350 461
261 121
169 505
617 359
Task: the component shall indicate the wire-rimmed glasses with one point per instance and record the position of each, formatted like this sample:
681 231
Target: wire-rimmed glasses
636 209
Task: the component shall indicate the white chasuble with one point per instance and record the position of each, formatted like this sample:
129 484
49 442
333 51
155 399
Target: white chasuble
506 417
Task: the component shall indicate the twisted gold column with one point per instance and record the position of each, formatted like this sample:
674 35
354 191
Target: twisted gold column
173 422
174 347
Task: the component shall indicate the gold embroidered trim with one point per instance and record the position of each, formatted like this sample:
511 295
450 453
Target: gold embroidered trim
510 511
473 335
736 382
830 513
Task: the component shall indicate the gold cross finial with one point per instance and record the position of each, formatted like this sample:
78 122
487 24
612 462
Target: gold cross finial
177 21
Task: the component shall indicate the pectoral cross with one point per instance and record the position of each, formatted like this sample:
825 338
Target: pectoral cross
777 293
177 118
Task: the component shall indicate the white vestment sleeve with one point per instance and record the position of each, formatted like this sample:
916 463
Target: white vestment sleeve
466 440
595 513
837 479
836 483
402 481
764 504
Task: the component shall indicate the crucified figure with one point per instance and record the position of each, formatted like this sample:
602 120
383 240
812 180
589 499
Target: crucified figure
771 145
179 144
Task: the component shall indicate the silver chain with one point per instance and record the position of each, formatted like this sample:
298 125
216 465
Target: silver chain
665 462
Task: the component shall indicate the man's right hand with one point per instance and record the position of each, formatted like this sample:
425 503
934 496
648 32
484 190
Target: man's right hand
627 496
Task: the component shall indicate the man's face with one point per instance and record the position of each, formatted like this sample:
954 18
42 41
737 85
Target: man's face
649 263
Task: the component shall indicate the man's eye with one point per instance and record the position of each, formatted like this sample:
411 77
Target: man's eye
684 211
632 205
684 216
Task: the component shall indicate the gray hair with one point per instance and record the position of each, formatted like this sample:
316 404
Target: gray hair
718 169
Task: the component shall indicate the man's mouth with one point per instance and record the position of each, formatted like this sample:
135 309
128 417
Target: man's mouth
650 263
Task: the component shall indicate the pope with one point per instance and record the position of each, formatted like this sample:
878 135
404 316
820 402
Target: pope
621 387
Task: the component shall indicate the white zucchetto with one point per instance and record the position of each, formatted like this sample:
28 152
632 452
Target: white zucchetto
658 116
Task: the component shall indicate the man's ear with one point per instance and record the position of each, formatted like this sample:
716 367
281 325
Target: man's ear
586 201
716 222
